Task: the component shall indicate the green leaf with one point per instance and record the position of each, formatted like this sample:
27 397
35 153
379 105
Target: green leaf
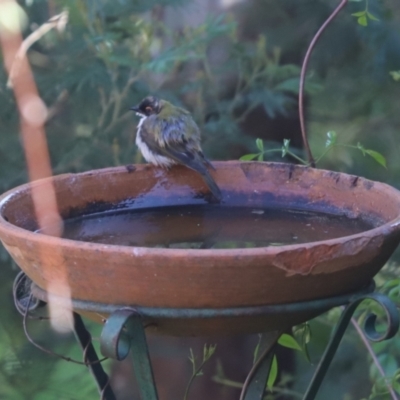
361 148
332 136
307 353
395 75
260 144
292 85
359 14
378 157
394 294
256 350
208 351
260 157
307 333
302 334
289 341
396 379
372 17
396 385
363 21
273 373
391 283
191 356
285 147
248 157
289 85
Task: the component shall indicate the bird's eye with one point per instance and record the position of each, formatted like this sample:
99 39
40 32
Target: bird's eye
148 109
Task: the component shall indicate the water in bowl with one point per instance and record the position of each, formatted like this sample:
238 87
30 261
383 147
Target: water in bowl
210 227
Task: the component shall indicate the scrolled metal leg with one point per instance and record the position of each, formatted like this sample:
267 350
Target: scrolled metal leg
25 302
92 361
123 331
392 316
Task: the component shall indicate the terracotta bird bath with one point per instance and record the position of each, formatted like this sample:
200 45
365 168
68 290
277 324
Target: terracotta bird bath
206 291
206 278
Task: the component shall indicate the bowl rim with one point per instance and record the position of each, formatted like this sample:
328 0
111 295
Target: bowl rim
10 229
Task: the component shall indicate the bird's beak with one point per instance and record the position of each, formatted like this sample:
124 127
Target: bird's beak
135 108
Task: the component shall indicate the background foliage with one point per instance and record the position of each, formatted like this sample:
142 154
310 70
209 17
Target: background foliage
237 72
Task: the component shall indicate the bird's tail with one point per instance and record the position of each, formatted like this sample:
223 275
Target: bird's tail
211 184
197 162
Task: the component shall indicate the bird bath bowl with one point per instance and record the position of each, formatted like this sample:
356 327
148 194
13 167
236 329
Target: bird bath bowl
236 284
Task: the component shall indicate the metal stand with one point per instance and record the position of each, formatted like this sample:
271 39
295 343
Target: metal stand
124 332
91 360
124 329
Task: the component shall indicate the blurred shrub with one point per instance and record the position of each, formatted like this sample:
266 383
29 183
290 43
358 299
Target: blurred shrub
113 53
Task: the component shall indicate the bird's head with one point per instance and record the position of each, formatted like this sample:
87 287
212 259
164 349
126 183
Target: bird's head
148 106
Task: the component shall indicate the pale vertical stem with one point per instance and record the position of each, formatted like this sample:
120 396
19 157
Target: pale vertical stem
303 78
33 113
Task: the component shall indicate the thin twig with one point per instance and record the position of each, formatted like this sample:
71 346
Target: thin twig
239 385
45 350
303 77
105 106
120 97
57 22
113 123
194 375
374 357
53 110
115 101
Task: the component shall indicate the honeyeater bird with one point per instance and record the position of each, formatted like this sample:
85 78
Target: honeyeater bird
168 135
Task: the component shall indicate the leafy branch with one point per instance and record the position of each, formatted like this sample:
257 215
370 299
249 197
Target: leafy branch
331 142
288 341
364 16
197 370
285 150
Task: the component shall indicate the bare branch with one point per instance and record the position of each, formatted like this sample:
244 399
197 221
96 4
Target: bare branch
57 22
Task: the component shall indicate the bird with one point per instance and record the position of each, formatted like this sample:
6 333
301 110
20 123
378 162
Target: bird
168 135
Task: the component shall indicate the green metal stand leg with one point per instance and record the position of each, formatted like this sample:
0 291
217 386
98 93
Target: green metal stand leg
122 332
392 316
90 357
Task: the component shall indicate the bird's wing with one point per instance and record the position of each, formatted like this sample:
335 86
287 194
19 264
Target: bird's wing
174 146
173 137
186 152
